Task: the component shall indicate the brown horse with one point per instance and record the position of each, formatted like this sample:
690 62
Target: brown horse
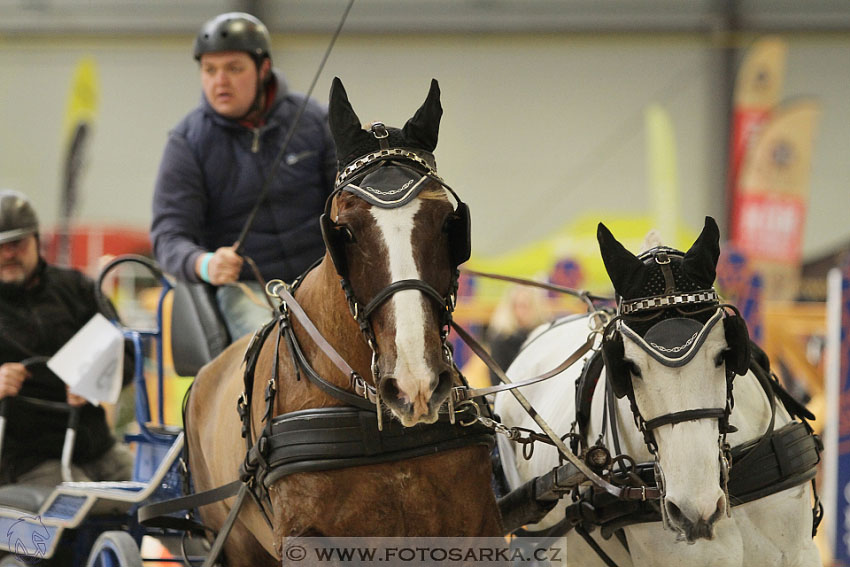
394 241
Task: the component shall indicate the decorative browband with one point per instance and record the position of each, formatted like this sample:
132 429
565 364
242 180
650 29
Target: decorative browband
645 303
363 161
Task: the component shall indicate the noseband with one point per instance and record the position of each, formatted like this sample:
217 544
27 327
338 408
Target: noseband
414 168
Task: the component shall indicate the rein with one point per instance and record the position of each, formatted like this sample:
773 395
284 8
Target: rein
584 295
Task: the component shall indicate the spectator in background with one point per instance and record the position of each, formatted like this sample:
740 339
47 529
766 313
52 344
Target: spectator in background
216 162
519 311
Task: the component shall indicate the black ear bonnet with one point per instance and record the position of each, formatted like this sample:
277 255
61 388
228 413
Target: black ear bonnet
388 167
667 306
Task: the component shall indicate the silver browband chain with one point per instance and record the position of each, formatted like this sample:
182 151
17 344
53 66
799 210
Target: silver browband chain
363 161
645 303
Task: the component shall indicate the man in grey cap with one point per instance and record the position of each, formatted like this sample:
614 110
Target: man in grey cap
41 308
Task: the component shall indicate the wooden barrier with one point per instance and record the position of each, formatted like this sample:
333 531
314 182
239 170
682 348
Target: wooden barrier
788 328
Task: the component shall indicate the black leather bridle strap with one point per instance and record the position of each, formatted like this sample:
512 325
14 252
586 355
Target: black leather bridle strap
308 325
363 399
218 544
686 415
400 285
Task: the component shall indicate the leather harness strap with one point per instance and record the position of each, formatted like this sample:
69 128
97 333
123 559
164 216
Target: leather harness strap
360 385
547 430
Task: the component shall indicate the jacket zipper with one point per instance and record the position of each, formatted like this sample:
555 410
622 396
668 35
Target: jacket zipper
255 145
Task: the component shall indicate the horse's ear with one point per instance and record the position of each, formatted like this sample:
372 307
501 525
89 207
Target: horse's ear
422 130
624 268
700 262
343 121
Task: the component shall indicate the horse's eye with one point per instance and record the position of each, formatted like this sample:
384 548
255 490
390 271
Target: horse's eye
720 358
347 235
634 369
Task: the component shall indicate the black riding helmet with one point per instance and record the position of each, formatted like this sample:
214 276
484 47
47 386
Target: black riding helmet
234 31
237 31
17 216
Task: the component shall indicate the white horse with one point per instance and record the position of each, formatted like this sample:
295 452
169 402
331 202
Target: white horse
687 372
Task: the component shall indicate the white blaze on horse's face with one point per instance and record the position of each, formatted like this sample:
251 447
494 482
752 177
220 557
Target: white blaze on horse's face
416 370
688 451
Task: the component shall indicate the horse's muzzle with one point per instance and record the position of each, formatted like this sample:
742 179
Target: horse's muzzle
419 406
690 524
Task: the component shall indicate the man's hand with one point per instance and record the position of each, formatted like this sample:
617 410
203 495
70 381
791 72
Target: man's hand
75 400
223 267
12 376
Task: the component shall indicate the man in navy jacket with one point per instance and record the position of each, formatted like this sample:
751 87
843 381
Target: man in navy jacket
216 162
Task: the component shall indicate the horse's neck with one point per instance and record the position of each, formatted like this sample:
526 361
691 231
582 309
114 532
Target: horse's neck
322 298
751 414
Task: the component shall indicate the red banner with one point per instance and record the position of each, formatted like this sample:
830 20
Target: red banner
771 226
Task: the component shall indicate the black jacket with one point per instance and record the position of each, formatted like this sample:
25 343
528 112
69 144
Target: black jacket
37 321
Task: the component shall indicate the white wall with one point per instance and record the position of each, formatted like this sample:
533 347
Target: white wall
537 129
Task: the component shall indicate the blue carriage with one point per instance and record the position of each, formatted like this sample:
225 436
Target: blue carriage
94 524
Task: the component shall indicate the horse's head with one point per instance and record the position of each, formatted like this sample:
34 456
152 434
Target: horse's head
673 351
396 242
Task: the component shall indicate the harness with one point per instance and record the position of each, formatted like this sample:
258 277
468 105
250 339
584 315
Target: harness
334 437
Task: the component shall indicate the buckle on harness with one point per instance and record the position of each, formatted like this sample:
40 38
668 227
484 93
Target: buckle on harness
379 130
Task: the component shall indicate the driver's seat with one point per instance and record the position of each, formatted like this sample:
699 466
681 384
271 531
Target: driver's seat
198 330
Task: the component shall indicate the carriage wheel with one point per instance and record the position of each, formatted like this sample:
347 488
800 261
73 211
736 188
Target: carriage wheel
115 549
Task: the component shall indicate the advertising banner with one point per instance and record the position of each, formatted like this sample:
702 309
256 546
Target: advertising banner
772 198
758 89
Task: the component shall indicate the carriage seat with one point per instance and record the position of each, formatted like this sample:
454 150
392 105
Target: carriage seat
198 331
26 497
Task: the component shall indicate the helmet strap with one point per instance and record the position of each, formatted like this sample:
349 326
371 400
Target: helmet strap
259 92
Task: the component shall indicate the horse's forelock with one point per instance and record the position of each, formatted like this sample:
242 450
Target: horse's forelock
651 240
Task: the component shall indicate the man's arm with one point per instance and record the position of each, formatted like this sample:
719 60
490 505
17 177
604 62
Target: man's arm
179 204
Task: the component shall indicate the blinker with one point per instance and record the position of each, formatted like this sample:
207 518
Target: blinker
388 187
675 341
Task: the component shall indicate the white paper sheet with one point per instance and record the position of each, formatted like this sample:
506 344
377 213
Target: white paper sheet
92 362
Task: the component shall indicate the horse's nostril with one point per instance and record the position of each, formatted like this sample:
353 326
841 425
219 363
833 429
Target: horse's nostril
389 390
720 510
441 384
674 513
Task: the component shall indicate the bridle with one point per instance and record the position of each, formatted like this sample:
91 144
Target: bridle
417 163
653 310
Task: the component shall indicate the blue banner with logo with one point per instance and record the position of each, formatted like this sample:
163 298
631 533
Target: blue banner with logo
842 504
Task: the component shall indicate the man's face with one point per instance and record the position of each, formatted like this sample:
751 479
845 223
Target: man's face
18 259
229 81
